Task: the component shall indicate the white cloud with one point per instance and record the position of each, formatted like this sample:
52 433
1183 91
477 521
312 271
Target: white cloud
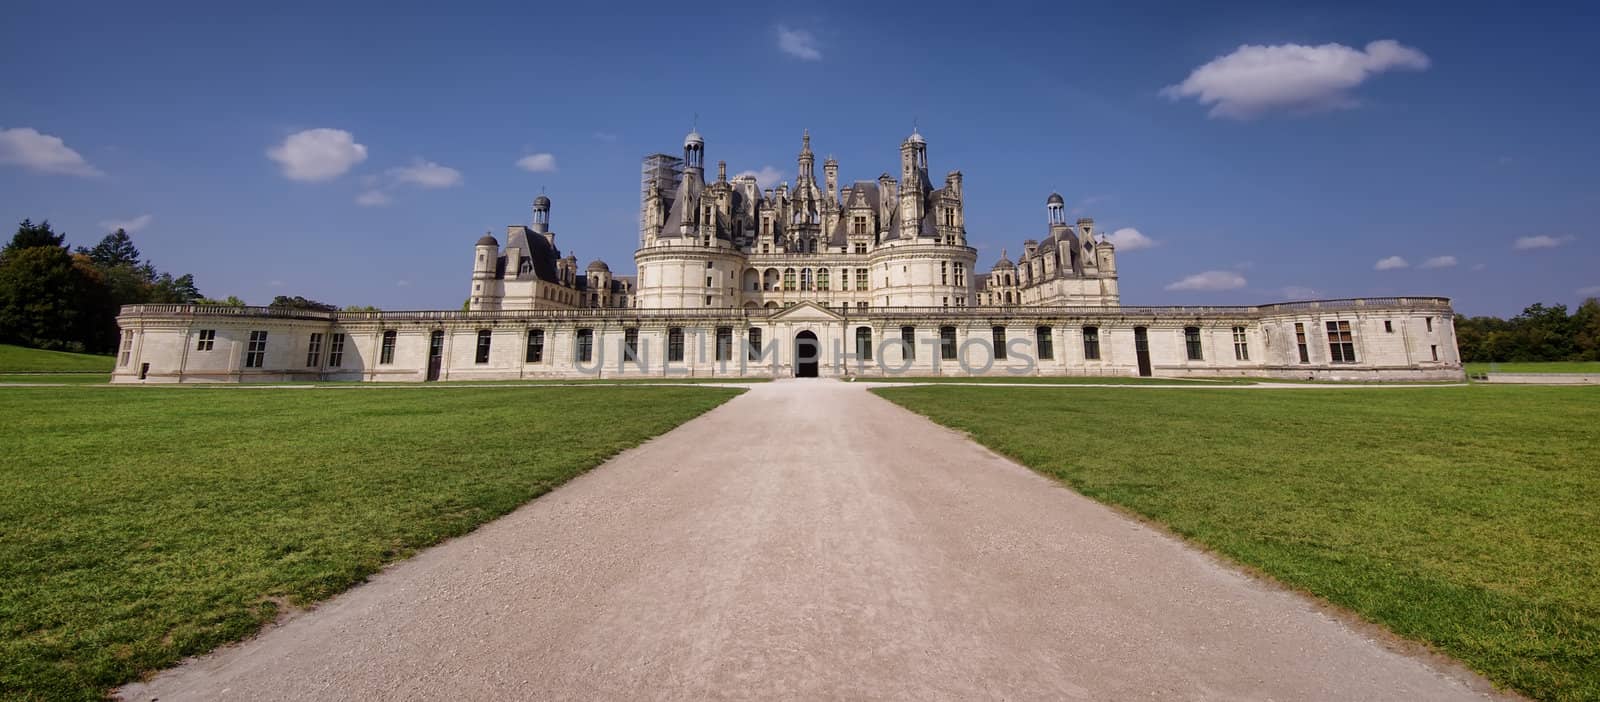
605 136
402 283
538 163
1439 262
22 146
1254 80
1130 239
426 174
317 154
1391 263
1589 291
766 177
1210 280
1479 266
1296 292
128 225
1540 242
798 43
373 198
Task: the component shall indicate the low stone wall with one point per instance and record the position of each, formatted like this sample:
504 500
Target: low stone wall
1543 378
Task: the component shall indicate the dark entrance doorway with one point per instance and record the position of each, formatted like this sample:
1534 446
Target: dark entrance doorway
435 354
807 351
1141 346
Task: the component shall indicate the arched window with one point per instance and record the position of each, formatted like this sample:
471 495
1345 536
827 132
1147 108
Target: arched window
864 343
805 278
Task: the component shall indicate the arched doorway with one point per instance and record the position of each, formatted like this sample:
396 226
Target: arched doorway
807 351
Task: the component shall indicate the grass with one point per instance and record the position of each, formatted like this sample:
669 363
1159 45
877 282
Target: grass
1060 380
20 359
144 526
1463 517
1535 367
73 378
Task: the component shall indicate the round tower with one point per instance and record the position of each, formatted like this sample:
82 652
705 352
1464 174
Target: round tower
694 152
541 214
1056 209
485 258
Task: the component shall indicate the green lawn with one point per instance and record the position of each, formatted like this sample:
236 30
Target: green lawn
18 359
1464 517
1061 380
140 526
1535 367
73 378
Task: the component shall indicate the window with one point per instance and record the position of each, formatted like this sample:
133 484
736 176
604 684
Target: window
861 247
1300 340
861 306
1388 326
1241 347
944 272
674 344
484 337
708 265
126 353
961 275
1045 342
314 351
585 345
788 279
1435 349
208 340
999 336
908 337
1341 343
336 351
1429 321
805 278
256 352
861 279
858 225
1091 343
944 302
864 343
630 344
947 343
844 278
386 355
1191 341
724 343
708 301
708 281
535 346
822 279
755 344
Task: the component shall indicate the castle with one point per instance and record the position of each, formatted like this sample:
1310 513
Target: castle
733 279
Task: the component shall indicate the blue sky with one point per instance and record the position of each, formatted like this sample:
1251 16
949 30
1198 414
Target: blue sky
1270 151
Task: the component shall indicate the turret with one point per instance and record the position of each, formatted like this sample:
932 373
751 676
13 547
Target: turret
913 173
541 215
1056 209
830 171
694 153
806 158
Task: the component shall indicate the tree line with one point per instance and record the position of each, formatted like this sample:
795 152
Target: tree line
1540 333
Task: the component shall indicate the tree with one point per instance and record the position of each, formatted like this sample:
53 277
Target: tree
361 308
300 303
170 290
231 301
50 300
1586 331
30 235
114 250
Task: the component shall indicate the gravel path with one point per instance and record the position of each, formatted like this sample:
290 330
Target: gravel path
809 540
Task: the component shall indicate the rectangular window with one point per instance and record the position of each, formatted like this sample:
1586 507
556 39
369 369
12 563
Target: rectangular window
1300 340
858 225
1241 346
961 275
675 345
630 344
864 343
1045 342
788 279
755 344
861 305
336 351
1429 320
1341 343
585 345
1091 343
535 346
1388 326
386 355
944 272
484 337
947 343
1191 342
724 343
998 334
314 351
125 354
908 339
861 279
256 352
1435 349
822 279
708 281
208 340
